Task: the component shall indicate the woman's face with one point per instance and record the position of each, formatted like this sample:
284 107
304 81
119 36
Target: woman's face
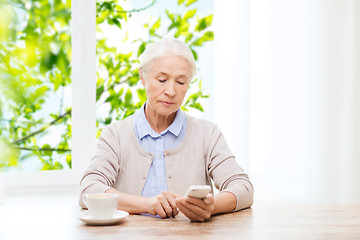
166 82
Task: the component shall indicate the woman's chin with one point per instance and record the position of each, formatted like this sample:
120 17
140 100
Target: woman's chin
167 110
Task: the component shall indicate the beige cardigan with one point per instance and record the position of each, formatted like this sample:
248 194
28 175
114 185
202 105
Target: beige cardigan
203 156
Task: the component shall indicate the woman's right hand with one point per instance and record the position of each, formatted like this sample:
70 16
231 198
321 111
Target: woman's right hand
163 205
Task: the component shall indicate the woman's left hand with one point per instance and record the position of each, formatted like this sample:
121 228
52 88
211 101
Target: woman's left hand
196 209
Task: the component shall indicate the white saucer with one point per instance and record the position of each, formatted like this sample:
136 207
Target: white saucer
86 217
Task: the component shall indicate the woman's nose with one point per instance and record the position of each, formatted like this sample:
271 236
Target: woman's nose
170 90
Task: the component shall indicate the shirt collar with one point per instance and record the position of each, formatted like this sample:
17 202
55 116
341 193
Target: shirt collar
143 127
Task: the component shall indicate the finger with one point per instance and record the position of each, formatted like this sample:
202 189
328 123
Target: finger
150 206
187 212
194 212
171 200
202 212
175 212
169 211
152 211
193 216
160 210
166 205
209 199
196 201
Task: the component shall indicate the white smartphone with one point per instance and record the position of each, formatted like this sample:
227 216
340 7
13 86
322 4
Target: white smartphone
198 191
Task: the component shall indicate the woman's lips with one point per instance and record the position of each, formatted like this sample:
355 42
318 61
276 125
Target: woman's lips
166 103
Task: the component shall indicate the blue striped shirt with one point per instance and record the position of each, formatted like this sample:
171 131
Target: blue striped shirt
156 143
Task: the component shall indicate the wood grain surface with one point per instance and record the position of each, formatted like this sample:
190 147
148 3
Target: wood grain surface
259 222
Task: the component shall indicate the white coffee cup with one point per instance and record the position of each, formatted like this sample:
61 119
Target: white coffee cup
101 205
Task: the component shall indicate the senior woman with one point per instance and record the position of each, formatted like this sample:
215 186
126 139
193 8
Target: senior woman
153 156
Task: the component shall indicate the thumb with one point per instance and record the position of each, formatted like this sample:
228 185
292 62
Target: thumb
209 199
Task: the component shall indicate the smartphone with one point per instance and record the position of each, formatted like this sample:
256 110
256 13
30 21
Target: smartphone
198 191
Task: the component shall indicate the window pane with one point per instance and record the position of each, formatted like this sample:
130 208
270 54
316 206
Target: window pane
125 28
35 85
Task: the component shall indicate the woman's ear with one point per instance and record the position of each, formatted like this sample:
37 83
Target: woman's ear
141 75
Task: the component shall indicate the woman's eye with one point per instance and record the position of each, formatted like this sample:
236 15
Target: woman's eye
162 80
181 83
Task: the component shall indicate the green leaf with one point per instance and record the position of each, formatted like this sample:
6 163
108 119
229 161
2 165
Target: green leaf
194 53
184 109
46 153
102 16
128 98
189 14
155 26
39 92
197 106
121 92
128 113
69 160
112 95
170 15
118 8
116 22
180 2
63 63
203 23
14 71
141 49
189 2
189 37
58 166
183 29
208 36
133 80
110 21
57 80
142 95
9 156
105 5
99 91
108 120
48 60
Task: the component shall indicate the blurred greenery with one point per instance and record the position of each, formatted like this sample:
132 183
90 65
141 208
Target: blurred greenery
35 54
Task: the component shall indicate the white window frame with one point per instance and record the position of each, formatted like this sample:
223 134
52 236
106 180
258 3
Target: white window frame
83 44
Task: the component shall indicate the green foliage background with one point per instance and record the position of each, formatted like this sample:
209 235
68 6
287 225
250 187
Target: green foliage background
35 56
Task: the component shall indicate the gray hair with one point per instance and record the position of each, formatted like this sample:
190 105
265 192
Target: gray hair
166 47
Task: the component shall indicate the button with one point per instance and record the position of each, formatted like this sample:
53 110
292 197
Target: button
169 177
144 178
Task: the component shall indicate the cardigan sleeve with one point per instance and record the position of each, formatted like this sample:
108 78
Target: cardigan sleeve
104 166
227 175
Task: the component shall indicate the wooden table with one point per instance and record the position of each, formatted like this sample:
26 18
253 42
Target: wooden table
260 222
